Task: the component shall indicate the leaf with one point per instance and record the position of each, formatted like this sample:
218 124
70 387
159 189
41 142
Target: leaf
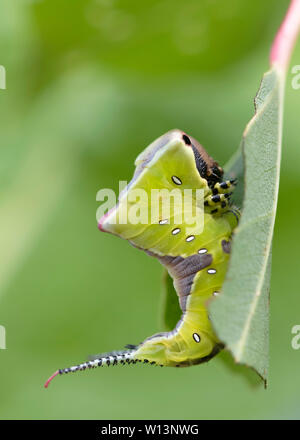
241 314
234 169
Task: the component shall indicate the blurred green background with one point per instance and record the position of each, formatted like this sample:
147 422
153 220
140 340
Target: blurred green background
89 85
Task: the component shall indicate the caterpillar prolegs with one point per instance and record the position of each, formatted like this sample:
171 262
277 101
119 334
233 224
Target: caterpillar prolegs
196 256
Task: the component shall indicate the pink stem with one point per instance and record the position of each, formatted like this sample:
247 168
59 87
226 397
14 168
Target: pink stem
286 37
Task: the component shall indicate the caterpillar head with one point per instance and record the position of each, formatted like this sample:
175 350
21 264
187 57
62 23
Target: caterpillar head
207 167
173 161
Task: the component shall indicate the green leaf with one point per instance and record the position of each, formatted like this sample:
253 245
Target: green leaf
241 314
234 169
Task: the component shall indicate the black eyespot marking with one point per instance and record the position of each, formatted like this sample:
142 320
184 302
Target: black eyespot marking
196 337
186 139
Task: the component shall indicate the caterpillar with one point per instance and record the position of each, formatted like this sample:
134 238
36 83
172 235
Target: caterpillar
197 261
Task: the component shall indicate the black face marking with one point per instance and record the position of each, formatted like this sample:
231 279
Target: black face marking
196 337
215 191
214 211
176 180
200 163
226 246
223 204
186 139
217 173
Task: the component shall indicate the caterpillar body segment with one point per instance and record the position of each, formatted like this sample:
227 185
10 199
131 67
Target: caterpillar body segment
196 255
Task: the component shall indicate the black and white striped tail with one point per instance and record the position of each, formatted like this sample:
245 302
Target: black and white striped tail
113 358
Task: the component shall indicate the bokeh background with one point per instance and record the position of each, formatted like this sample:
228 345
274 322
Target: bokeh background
90 83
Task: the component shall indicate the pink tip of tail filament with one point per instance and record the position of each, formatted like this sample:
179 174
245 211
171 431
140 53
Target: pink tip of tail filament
102 220
50 378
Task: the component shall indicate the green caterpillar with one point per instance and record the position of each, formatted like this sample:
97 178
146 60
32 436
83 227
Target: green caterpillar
197 262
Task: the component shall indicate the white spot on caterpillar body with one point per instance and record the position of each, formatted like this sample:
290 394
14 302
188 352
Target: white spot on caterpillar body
196 337
176 180
211 271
